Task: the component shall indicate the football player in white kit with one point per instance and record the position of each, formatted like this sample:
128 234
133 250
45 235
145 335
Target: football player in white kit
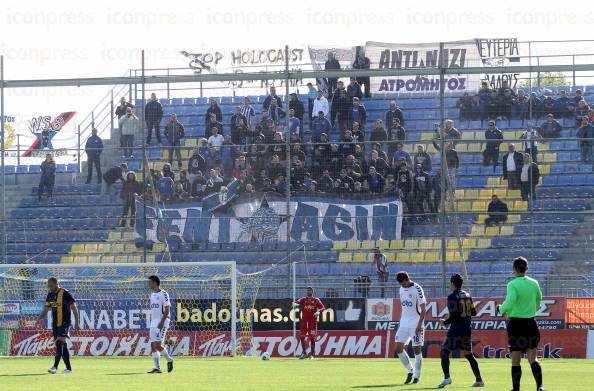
160 307
411 326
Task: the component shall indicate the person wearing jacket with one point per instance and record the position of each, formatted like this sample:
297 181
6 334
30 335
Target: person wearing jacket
268 101
362 62
130 189
512 163
340 110
174 132
195 164
357 113
497 211
93 149
551 128
129 127
331 64
297 106
48 176
239 127
122 108
529 178
213 109
114 174
422 158
585 134
354 89
392 114
494 137
321 104
153 114
452 161
421 190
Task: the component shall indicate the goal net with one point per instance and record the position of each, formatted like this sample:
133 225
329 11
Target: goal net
210 308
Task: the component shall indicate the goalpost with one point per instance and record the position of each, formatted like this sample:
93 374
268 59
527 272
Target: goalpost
210 308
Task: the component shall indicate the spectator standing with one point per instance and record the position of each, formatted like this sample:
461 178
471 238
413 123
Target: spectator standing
129 127
381 166
529 178
492 105
321 104
494 138
153 114
452 161
497 211
375 181
164 186
195 164
354 89
379 134
122 108
215 109
520 106
550 128
174 132
275 112
394 113
380 262
326 182
331 64
585 134
93 149
312 94
297 106
465 106
293 124
581 111
214 143
422 158
198 186
248 112
114 174
534 110
268 101
530 139
213 123
400 155
404 183
561 105
362 62
48 176
484 95
421 191
340 110
239 127
512 167
358 113
395 133
130 189
167 172
450 132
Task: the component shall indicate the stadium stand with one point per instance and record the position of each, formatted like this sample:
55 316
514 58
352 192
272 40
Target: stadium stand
80 225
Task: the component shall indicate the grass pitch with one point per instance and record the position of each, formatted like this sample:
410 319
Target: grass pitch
245 374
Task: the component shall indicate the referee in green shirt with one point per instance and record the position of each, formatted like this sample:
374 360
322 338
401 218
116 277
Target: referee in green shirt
522 301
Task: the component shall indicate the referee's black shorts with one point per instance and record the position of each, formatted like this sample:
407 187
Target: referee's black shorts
522 334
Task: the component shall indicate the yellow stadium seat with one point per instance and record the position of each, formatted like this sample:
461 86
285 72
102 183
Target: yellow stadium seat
461 148
481 219
114 236
411 244
464 206
491 231
417 256
78 248
367 244
485 194
520 205
431 256
479 206
396 244
392 256
128 235
425 244
345 257
353 245
469 243
545 169
66 259
459 194
472 194
403 256
514 194
479 135
91 248
80 259
475 147
549 158
338 245
503 147
426 136
121 259
507 230
452 244
382 244
107 259
477 230
185 153
134 258
483 243
129 248
467 136
360 257
191 142
117 248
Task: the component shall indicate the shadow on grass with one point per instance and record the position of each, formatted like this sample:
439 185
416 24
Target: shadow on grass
24 374
127 374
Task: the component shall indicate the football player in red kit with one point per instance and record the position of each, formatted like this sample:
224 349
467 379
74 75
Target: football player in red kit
311 308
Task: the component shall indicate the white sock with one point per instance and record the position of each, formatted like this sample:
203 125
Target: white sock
165 353
418 365
156 360
403 356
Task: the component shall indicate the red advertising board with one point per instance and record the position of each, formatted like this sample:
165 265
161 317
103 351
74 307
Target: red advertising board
384 313
493 343
363 344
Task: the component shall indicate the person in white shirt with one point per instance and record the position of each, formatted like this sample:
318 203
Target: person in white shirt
512 163
531 137
159 324
321 104
411 325
215 141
